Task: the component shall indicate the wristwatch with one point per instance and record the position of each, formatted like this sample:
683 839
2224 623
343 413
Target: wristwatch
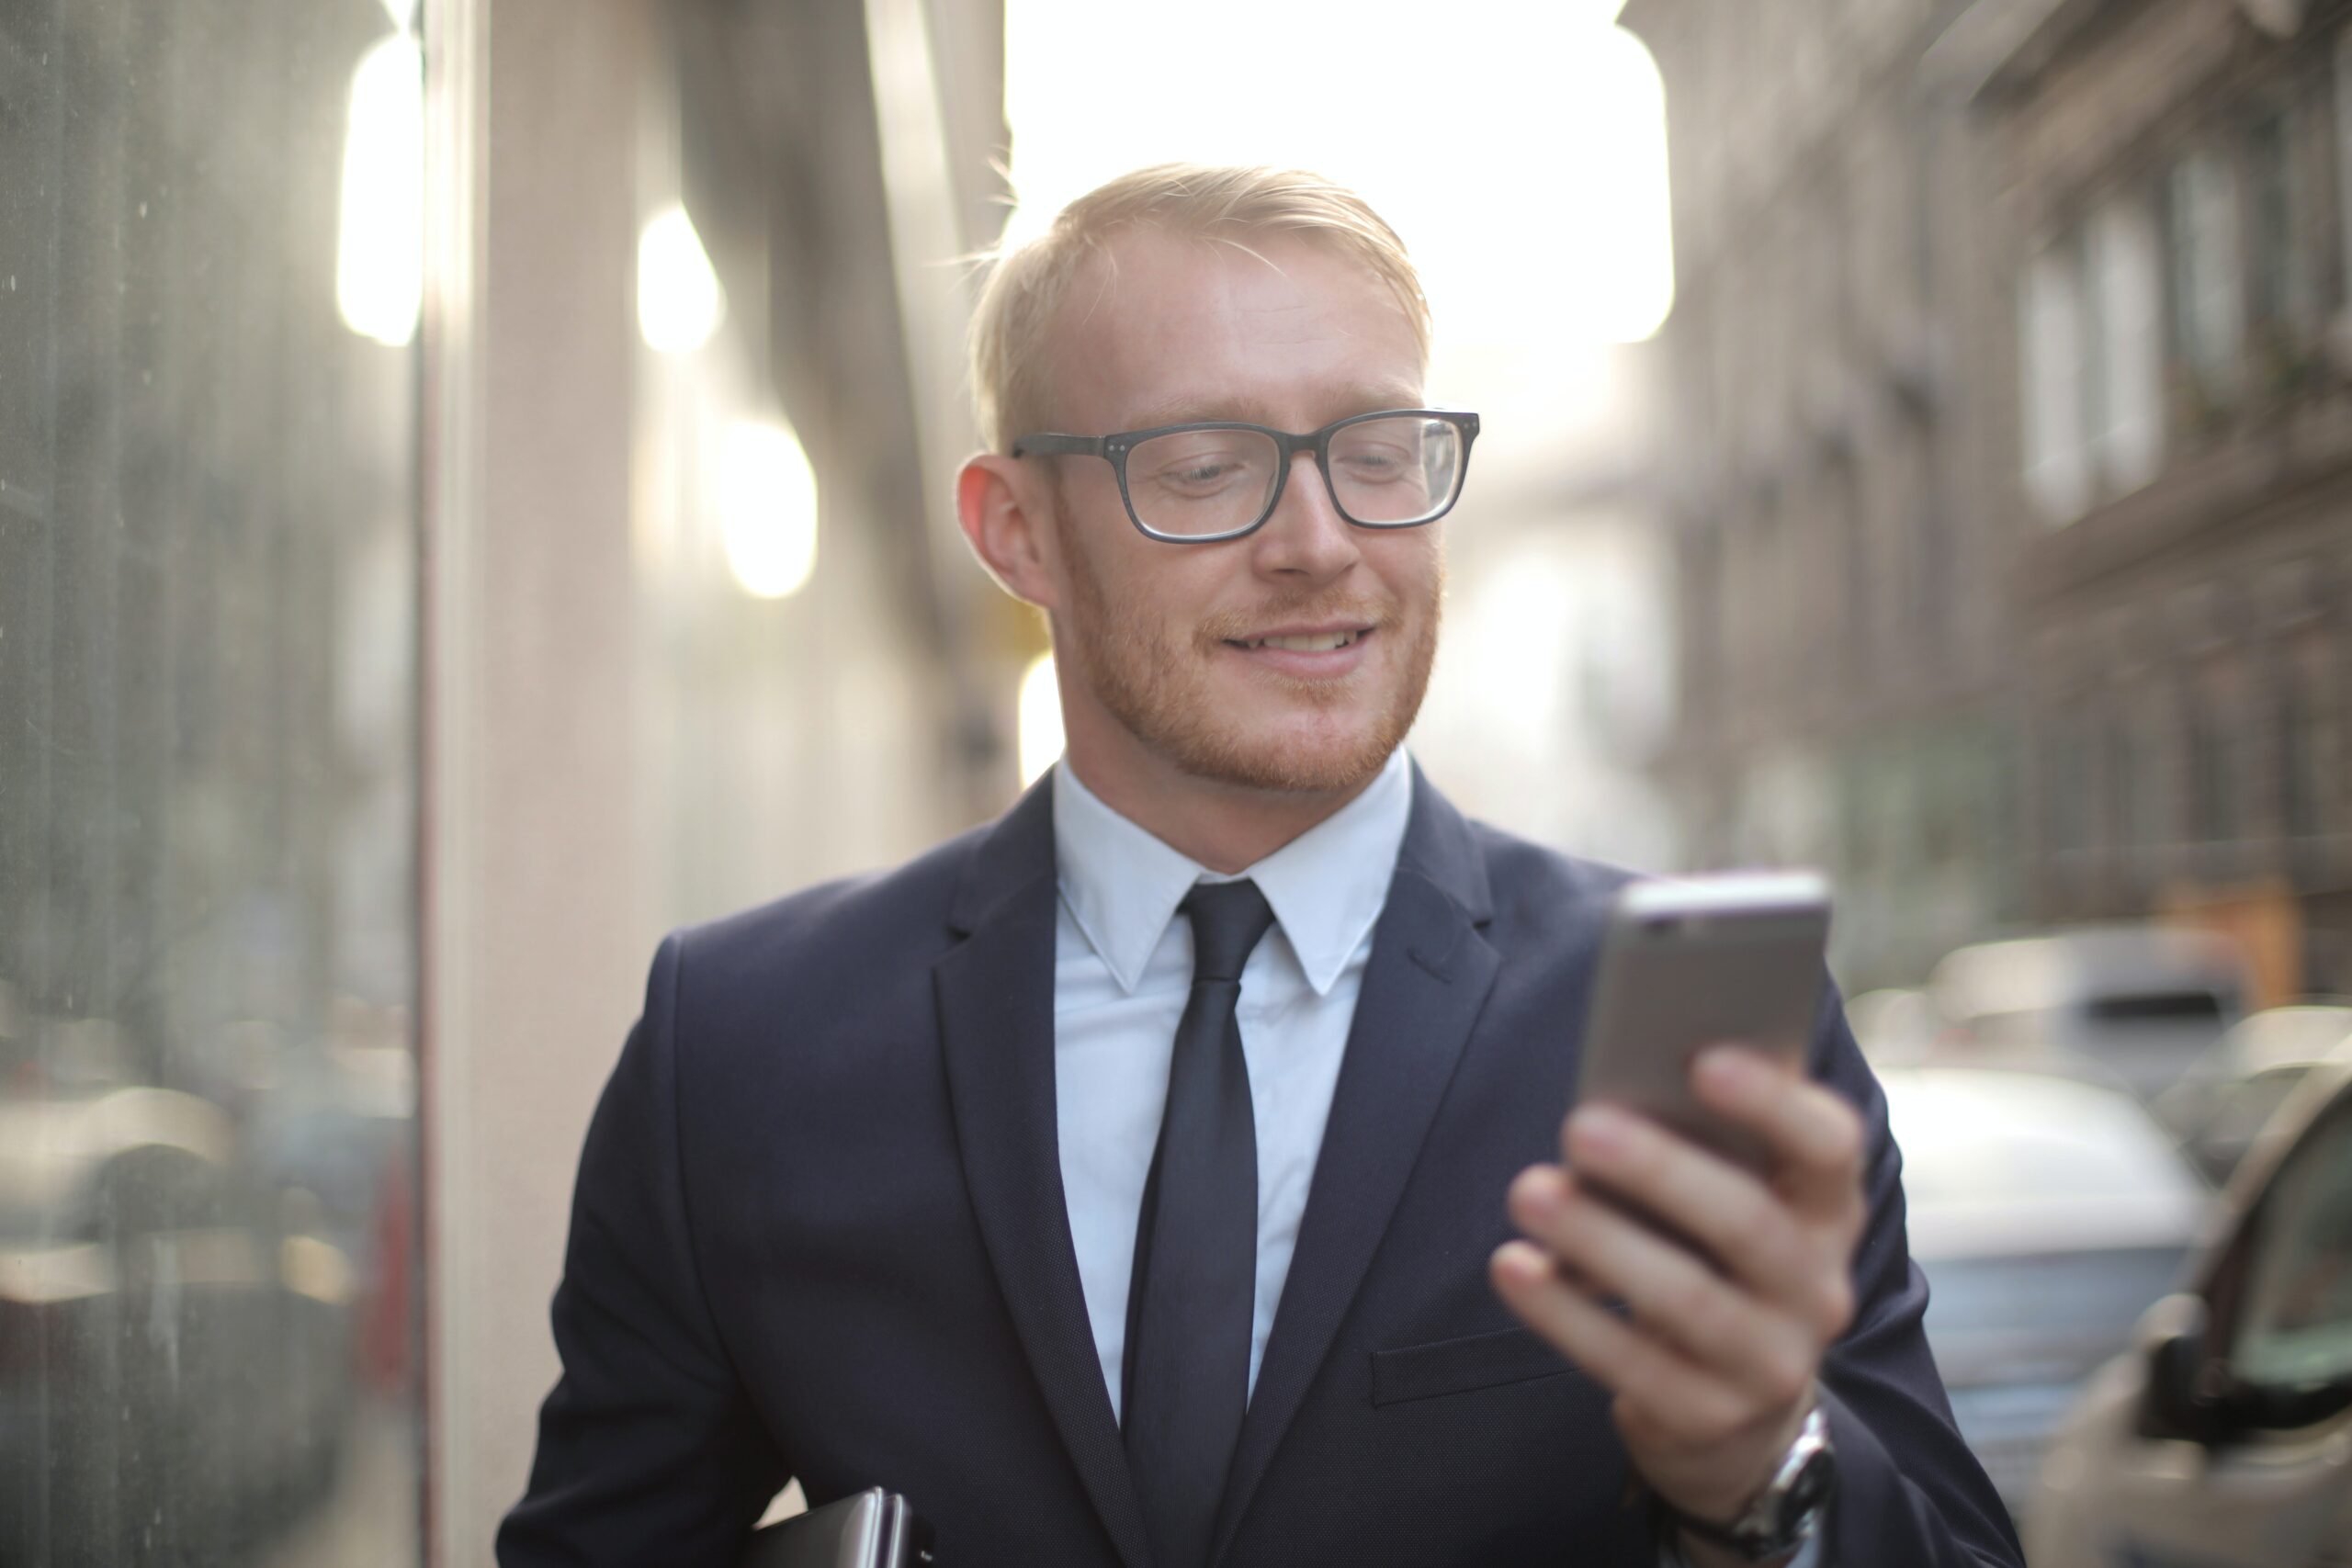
1785 1514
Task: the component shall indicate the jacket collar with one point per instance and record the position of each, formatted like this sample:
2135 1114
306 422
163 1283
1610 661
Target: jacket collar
1019 848
1122 887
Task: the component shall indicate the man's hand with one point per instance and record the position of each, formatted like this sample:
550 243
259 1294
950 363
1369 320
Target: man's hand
1714 1364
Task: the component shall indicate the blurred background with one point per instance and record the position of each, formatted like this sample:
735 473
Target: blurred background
475 494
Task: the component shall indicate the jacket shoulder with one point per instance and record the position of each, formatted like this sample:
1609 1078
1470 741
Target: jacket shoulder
1528 879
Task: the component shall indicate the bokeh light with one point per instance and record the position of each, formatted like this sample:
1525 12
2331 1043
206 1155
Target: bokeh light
767 508
679 302
380 254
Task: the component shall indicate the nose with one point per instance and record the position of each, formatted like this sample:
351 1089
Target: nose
1306 537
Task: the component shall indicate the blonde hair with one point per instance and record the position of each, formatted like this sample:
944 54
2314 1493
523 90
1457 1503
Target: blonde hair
1025 287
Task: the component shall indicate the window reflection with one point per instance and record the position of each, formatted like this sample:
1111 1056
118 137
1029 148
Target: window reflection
208 1277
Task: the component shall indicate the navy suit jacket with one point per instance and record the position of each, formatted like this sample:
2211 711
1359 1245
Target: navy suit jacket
819 1232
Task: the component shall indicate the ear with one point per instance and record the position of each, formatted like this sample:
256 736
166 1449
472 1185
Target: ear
1006 516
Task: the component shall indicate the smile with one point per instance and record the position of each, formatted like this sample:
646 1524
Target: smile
1311 642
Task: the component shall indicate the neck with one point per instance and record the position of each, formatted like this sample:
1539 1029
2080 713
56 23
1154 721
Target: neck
1227 828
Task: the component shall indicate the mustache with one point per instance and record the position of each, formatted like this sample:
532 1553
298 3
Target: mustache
1233 626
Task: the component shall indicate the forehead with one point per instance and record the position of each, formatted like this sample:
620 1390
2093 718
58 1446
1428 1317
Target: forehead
1160 329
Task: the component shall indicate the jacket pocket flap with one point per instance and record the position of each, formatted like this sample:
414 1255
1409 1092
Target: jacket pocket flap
1457 1366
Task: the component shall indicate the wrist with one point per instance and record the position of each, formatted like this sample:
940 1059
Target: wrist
1713 1502
1773 1521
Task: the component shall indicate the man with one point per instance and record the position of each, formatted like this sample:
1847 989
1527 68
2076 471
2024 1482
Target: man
1135 1180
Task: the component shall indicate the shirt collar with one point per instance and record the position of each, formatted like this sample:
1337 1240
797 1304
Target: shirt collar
1327 887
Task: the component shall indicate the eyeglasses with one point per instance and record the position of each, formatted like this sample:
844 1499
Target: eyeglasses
1196 484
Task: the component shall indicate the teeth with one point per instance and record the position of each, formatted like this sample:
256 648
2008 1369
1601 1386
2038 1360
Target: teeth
1322 643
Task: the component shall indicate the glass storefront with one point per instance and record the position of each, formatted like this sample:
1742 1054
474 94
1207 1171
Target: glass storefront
208 540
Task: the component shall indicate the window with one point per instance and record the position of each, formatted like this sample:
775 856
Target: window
2208 293
2057 476
2126 370
208 519
2066 782
2307 741
2344 156
2283 304
2278 281
2117 787
2218 796
2152 795
2294 1331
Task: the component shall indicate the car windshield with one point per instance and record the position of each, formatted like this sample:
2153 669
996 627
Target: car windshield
2298 1326
2156 1007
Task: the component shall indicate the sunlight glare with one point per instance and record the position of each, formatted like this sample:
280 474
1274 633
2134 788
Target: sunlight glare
1519 148
1039 720
380 242
679 304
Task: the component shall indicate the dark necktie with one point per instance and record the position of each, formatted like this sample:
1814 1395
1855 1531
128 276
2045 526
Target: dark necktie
1191 1303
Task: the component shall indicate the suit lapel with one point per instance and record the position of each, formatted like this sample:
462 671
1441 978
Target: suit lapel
995 1018
1428 976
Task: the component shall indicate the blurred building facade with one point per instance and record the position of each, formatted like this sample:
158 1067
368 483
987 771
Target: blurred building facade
2011 527
2173 180
1846 657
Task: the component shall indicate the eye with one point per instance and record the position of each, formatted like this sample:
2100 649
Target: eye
1201 471
1377 462
1188 467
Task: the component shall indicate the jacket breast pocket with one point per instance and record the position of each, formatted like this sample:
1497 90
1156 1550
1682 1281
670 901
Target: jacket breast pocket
1459 1366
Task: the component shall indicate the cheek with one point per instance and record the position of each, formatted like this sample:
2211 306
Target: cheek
1411 564
1139 584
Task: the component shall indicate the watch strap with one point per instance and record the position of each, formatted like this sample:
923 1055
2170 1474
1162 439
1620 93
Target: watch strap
1783 1515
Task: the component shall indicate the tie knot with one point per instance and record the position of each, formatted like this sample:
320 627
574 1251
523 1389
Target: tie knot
1227 919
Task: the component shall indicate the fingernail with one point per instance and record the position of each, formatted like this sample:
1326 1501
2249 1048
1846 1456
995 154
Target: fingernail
1538 1192
1731 1066
1601 1128
1520 1261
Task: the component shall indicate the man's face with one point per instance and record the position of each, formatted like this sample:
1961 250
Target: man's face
1163 646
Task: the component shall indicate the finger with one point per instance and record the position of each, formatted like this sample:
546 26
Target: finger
1534 1195
1815 1136
1693 1403
1769 1354
1716 1204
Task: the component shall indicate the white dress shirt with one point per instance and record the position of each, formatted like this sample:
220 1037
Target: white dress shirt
1123 971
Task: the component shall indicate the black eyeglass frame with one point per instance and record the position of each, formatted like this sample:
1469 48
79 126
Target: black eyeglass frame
1114 450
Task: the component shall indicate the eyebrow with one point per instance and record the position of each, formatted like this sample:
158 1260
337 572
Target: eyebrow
1353 399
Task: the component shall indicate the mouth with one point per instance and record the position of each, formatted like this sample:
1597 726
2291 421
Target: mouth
1305 653
1304 642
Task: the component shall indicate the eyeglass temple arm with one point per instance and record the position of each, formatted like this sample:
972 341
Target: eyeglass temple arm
1047 444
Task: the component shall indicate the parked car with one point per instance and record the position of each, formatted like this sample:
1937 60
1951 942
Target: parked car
2225 1436
1893 1027
2232 1092
2046 1212
2144 1001
172 1334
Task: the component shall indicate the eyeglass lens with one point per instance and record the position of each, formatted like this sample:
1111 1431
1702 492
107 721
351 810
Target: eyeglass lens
1391 471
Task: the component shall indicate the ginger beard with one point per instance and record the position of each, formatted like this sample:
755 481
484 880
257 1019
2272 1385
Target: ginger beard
1158 687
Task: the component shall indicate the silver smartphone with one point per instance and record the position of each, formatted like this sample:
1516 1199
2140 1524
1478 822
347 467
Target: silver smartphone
1693 961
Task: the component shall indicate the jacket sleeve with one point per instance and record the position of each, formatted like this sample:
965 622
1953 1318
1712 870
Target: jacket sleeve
648 1449
1908 1489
